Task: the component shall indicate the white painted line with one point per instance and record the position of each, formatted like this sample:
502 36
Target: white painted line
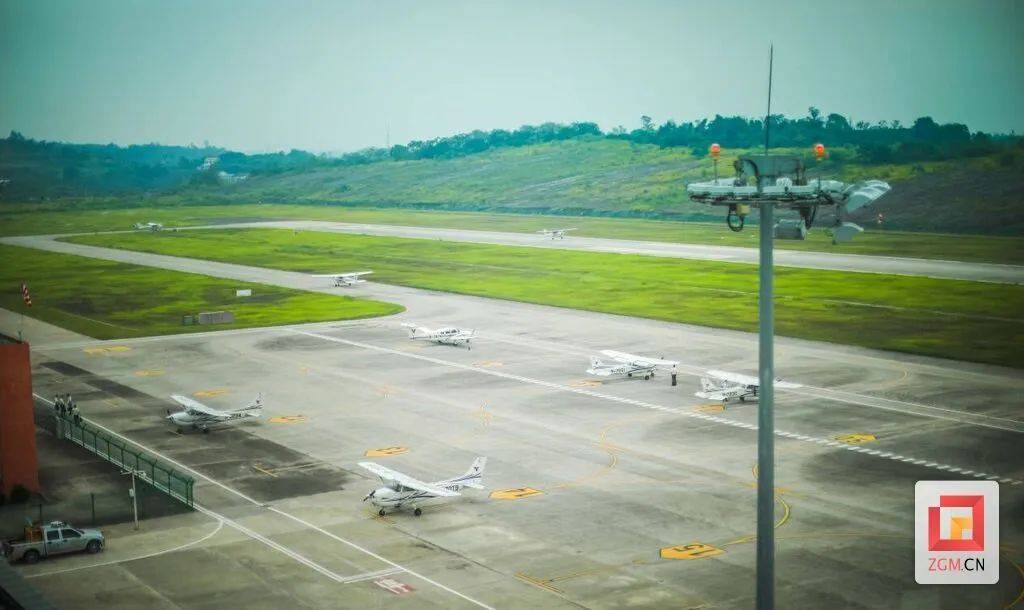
220 526
583 392
297 557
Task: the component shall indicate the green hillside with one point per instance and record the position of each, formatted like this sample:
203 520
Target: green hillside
593 175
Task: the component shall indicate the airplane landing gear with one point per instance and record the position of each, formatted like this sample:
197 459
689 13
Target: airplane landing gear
381 512
417 512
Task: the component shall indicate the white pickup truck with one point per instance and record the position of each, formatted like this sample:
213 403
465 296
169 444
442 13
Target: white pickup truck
54 538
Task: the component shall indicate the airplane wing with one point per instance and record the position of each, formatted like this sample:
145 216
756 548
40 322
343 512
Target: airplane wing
194 406
736 378
719 395
748 380
634 359
406 481
600 372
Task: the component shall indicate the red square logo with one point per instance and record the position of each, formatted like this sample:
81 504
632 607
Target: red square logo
948 530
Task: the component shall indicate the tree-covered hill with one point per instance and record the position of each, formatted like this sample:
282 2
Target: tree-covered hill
946 178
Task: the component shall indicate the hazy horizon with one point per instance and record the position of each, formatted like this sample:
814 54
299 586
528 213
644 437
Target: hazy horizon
332 77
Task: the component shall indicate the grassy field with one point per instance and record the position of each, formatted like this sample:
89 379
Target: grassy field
109 300
974 248
953 319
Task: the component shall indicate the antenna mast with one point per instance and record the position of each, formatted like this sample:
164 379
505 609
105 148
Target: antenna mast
768 116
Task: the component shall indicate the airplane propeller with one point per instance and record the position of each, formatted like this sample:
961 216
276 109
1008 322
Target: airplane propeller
369 495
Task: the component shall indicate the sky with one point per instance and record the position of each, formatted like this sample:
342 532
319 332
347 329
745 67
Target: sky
339 76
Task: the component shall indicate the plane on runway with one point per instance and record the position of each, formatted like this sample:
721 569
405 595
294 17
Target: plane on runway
627 364
448 335
198 416
555 233
724 386
147 226
402 490
347 279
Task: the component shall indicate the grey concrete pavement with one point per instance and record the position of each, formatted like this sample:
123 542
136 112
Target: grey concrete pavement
597 489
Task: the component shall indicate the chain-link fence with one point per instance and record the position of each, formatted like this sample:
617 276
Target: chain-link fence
147 468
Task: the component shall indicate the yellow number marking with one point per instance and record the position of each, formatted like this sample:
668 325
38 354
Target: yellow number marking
856 439
715 408
515 494
383 451
287 419
103 351
488 364
210 393
694 550
585 383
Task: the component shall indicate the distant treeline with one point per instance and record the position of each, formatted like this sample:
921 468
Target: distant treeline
53 169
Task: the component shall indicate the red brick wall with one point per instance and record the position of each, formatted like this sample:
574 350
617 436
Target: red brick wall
18 462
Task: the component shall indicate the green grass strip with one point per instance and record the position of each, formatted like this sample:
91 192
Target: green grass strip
963 320
109 300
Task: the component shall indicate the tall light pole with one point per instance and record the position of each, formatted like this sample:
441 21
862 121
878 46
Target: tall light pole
796 195
766 388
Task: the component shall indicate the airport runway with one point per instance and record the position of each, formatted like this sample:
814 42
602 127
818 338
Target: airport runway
623 493
980 272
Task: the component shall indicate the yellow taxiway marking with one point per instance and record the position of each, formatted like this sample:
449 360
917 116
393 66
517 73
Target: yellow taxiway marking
483 415
858 438
711 408
488 364
548 583
537 582
786 510
304 370
211 393
694 550
517 493
149 373
274 471
385 391
259 467
103 351
287 419
1021 595
585 383
613 458
383 451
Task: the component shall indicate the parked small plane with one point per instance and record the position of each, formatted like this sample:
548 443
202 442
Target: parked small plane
627 364
147 226
402 490
347 279
555 233
448 335
724 386
198 416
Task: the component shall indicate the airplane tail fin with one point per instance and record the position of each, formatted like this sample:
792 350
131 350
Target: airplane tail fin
595 362
474 477
706 385
254 408
412 328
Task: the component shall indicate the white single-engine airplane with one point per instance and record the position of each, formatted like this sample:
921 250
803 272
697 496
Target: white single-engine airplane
347 279
555 233
198 416
724 386
627 364
448 335
147 226
402 490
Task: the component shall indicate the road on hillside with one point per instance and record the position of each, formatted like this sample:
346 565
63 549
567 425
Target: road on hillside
860 263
